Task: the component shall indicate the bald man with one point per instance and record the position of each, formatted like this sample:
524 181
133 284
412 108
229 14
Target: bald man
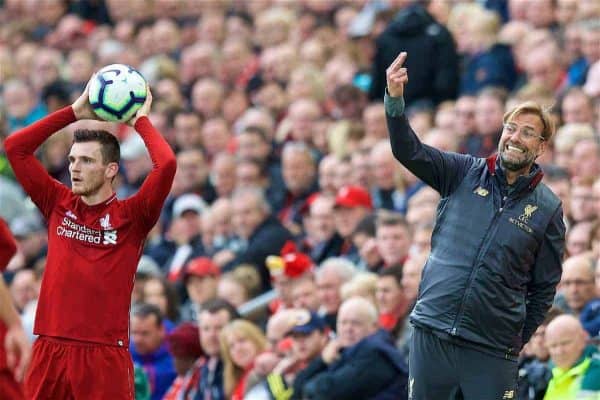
577 284
361 363
576 374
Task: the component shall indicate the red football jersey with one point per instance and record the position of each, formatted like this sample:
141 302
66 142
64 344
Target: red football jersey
93 251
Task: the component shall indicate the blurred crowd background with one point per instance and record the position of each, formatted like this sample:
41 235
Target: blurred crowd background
291 232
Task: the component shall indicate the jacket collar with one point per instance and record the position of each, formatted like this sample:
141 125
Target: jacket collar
533 179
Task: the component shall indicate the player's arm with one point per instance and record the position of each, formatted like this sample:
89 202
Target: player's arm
545 275
155 189
440 170
16 343
21 146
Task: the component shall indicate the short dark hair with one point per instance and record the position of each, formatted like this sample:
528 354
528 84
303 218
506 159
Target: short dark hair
391 218
145 310
395 271
111 152
213 306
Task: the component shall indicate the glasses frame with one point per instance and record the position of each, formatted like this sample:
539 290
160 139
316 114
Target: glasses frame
512 128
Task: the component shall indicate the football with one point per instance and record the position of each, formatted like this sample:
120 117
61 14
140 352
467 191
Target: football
116 92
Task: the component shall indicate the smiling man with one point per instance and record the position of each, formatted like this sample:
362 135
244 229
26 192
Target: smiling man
94 243
495 256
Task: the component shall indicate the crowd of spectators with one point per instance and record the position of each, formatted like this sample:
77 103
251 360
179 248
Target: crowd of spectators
289 252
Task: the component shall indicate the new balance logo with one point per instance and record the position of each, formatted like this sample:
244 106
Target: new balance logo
509 394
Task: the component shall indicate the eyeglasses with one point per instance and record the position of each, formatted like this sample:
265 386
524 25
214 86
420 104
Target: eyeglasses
577 282
526 132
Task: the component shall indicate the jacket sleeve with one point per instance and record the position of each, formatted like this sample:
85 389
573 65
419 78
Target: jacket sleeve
545 275
20 148
359 378
443 171
149 200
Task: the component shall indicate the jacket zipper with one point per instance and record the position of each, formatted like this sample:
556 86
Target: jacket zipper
482 248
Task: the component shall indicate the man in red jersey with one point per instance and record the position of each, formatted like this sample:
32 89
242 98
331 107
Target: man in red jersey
94 243
16 352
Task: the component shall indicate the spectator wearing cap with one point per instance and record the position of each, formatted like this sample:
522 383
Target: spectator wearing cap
261 233
352 204
308 336
321 239
361 363
200 278
184 232
290 266
148 348
214 315
184 345
136 165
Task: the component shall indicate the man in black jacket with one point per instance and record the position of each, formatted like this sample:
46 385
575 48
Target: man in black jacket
434 61
495 256
260 233
361 363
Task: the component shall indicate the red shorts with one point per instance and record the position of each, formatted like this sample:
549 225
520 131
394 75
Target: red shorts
68 369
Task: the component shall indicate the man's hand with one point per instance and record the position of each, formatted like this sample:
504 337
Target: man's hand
144 110
397 76
18 350
82 107
331 351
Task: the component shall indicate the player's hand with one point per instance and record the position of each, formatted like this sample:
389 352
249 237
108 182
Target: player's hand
144 110
18 351
82 107
397 76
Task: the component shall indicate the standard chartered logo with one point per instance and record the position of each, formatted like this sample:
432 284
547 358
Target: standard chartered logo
72 230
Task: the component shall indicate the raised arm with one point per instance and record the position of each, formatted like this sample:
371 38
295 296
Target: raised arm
21 146
149 200
440 170
31 174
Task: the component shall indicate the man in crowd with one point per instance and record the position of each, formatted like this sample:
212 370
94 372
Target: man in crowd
149 348
576 374
360 363
214 316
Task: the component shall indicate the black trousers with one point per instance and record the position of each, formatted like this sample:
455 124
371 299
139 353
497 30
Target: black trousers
442 370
